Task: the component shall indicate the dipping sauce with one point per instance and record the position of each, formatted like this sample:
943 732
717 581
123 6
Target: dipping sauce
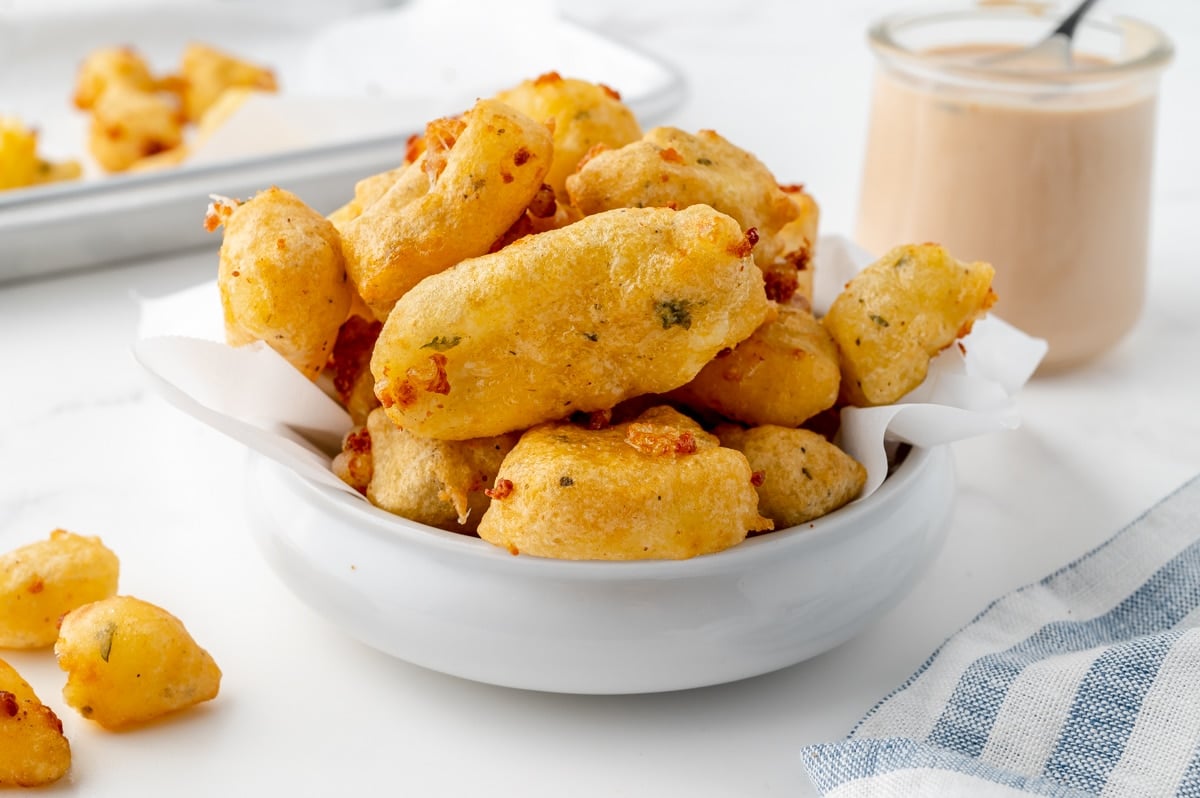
1042 169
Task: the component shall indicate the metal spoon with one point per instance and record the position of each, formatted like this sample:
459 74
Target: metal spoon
1052 52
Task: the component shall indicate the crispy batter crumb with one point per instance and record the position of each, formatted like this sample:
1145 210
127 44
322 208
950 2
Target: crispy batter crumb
504 488
440 136
780 283
658 439
744 247
8 704
413 148
358 442
670 155
599 419
219 210
352 353
544 203
439 382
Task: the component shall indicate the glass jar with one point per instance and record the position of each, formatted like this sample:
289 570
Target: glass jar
1042 169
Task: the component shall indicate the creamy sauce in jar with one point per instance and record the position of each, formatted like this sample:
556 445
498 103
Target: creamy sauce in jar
1048 183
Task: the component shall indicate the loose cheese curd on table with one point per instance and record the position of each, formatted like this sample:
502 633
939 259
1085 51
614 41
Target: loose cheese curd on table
129 661
33 750
42 581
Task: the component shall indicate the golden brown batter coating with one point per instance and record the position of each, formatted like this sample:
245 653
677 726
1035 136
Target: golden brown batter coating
584 115
899 312
282 278
439 483
674 169
785 373
35 751
803 476
658 487
481 175
129 125
206 73
616 305
129 661
42 581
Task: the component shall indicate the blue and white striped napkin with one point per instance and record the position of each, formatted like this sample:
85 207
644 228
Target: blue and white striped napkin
1084 684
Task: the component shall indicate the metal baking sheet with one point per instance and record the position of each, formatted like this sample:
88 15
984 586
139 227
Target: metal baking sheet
408 60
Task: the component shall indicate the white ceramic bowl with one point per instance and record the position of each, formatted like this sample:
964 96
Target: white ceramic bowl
462 606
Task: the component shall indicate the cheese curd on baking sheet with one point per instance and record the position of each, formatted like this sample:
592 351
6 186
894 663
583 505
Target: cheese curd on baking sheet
129 661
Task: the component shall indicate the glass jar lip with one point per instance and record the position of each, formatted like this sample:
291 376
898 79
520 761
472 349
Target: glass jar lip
882 39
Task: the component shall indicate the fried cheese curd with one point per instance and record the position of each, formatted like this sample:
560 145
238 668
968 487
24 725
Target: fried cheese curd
480 173
129 661
129 124
583 115
658 487
33 750
371 188
899 312
281 277
206 73
21 165
442 484
42 581
802 475
107 67
785 373
672 168
138 120
618 304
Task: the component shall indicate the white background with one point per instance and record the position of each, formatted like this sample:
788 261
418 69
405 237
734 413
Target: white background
305 711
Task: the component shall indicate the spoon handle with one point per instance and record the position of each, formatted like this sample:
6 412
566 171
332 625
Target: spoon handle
1067 26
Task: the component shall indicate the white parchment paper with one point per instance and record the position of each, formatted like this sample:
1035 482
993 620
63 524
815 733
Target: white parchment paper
256 397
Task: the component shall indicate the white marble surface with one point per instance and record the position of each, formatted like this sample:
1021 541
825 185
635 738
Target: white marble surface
85 445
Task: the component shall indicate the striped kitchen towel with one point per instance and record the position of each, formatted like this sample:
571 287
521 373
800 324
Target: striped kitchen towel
1084 684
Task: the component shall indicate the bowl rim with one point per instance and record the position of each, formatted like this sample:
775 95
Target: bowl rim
393 529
